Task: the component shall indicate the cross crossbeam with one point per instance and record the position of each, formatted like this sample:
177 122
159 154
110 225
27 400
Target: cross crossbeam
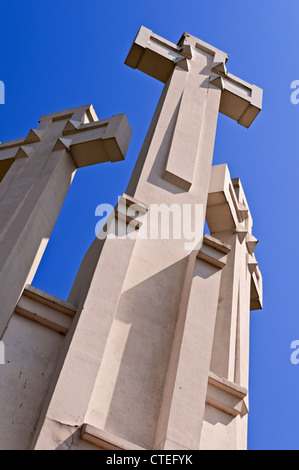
158 57
198 86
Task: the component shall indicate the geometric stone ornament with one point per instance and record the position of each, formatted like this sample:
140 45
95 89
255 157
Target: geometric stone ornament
251 243
34 136
213 252
24 152
71 126
252 263
226 396
242 212
242 233
62 144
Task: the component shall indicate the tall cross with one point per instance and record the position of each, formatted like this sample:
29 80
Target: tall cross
35 175
182 133
148 343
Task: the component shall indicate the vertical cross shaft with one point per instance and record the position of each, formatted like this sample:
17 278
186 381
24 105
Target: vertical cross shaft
35 174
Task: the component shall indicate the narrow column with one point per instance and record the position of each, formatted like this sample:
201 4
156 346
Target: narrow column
182 410
229 219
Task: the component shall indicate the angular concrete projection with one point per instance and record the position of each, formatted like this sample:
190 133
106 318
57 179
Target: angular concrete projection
35 175
151 349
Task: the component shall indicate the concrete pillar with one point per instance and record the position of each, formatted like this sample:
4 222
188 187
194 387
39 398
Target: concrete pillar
183 405
229 219
96 291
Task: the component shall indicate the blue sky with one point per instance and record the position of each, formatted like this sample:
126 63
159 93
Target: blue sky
56 55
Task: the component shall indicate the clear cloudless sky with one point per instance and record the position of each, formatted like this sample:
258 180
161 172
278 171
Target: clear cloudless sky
59 54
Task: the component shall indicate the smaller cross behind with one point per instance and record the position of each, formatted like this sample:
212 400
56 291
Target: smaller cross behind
89 140
35 175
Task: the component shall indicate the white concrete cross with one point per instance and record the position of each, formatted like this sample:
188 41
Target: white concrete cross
192 70
35 175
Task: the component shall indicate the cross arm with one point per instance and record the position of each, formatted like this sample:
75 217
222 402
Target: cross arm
240 100
96 142
156 56
91 142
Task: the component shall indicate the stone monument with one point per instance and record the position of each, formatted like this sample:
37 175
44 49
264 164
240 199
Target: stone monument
151 349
